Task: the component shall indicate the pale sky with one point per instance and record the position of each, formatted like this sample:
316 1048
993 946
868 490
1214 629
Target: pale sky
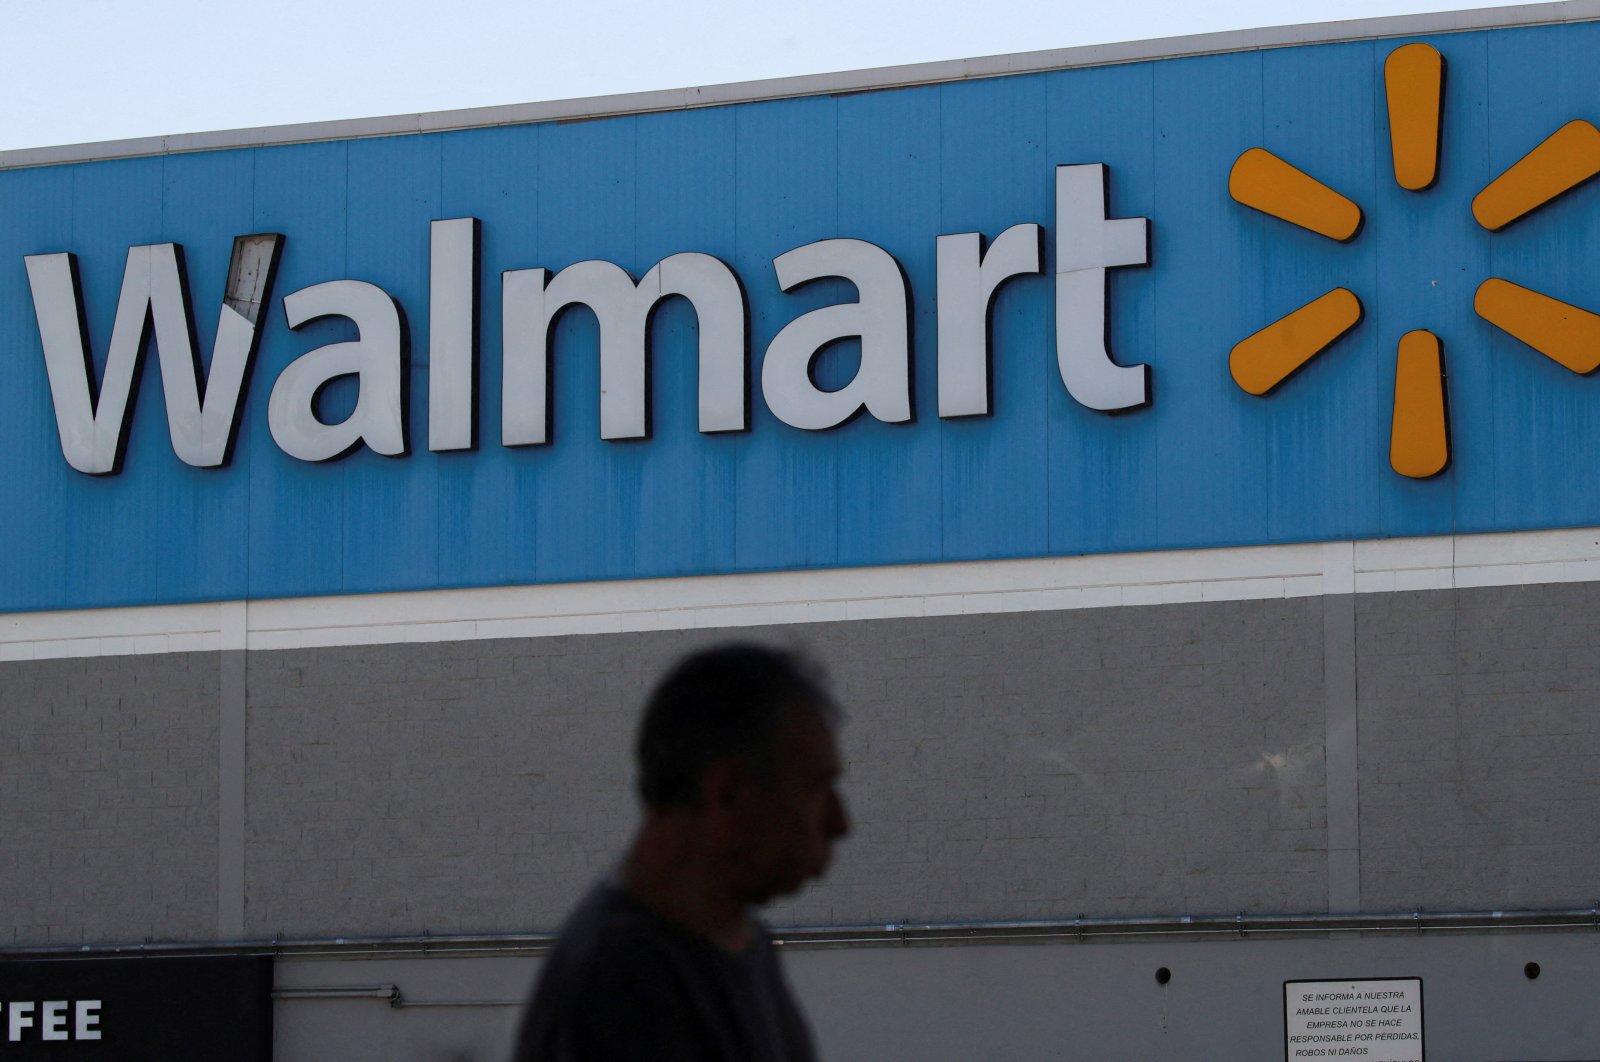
77 71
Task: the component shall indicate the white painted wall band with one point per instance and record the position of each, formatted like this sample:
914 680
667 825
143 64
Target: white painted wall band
968 588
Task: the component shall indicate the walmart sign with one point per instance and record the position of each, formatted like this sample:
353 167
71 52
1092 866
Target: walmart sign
204 402
1309 293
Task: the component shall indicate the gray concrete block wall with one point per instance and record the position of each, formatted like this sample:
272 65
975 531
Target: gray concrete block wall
1480 747
1013 766
1129 761
108 799
465 787
1049 764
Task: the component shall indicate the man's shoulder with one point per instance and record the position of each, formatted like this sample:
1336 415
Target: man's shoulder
620 983
610 914
610 937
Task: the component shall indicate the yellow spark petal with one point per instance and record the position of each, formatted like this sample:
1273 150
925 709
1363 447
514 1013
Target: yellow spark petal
1419 440
1413 77
1564 333
1262 361
1566 158
1262 180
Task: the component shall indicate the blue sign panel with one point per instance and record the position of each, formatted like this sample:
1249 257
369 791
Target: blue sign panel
1058 313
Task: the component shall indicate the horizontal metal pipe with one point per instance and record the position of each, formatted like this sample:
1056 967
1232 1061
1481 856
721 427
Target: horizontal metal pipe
407 1004
391 994
880 935
385 992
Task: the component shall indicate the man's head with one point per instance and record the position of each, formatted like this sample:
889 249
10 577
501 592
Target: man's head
740 737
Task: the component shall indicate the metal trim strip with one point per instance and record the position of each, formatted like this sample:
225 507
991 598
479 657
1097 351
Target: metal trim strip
892 934
1250 573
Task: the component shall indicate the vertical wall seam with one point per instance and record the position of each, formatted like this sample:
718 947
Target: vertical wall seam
1341 740
231 699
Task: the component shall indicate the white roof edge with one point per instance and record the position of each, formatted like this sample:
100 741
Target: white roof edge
887 77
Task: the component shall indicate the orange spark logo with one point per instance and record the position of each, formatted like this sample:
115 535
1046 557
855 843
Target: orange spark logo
1419 438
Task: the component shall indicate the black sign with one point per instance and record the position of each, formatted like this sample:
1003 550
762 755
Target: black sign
131 1010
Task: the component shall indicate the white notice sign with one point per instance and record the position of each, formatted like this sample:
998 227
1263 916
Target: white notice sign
1375 1021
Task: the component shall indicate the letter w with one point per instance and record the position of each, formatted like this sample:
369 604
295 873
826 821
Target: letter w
202 411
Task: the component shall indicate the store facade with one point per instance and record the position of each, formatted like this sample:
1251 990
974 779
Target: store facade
1177 452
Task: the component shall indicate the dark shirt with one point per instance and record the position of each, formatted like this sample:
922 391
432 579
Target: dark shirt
624 983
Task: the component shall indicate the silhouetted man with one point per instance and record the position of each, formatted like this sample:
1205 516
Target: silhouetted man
664 960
